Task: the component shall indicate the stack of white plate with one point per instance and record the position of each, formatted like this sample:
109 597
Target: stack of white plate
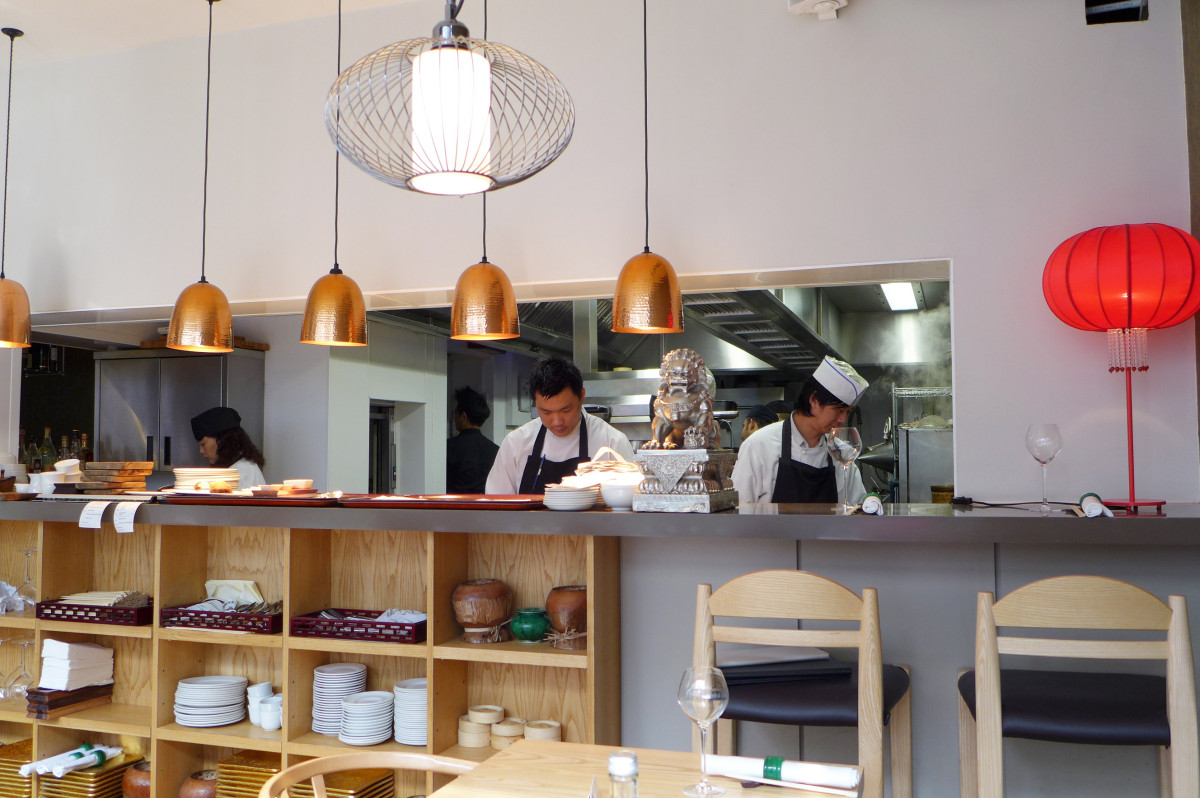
332 683
210 700
366 718
560 498
186 478
412 704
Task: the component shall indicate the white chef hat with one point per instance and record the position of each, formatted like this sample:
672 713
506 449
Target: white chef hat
840 379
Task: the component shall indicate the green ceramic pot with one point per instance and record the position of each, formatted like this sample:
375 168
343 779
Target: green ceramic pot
530 624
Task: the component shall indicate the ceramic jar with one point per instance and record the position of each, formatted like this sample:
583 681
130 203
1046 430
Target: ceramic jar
530 624
567 607
201 784
482 607
135 783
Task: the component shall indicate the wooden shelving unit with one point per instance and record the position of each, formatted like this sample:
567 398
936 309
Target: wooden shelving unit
311 569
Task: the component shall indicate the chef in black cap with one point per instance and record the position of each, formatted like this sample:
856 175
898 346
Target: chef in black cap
757 417
223 443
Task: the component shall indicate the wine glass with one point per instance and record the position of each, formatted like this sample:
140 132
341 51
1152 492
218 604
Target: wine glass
21 679
703 696
1043 441
27 590
845 444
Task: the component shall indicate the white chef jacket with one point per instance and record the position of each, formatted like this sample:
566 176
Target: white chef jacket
758 463
505 476
249 474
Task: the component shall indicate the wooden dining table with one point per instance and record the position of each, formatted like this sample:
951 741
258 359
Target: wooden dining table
543 769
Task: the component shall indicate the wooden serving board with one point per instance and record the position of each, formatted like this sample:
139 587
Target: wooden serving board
102 476
133 485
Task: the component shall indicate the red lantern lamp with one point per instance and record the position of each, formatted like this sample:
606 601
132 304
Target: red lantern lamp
1125 279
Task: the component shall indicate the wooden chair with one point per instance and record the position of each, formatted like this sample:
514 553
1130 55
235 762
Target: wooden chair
316 769
1098 708
865 698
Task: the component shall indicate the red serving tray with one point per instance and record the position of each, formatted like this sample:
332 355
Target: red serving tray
246 501
446 501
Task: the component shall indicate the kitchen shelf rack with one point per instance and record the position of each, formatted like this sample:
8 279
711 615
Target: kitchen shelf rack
310 569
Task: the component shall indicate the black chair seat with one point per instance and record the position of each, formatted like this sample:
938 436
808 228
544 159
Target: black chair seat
1068 707
826 701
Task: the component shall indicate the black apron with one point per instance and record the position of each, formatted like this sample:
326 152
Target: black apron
800 483
540 472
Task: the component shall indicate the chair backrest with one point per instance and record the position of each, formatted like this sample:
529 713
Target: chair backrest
1077 603
795 595
316 769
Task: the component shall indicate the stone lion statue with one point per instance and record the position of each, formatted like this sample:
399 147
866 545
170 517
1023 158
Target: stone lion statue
683 417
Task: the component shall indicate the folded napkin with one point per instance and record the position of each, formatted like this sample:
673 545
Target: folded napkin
873 504
778 769
1092 506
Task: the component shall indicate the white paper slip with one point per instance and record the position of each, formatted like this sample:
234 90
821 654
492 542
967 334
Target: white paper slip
123 515
92 512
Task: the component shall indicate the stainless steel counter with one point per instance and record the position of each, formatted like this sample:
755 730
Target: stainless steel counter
904 523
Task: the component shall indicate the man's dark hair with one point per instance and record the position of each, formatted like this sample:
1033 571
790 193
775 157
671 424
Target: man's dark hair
812 388
233 445
473 403
552 375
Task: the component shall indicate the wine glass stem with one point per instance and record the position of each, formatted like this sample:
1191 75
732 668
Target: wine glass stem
1045 503
28 567
703 755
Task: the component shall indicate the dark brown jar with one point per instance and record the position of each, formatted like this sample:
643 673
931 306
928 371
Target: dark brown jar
567 607
482 607
201 784
135 783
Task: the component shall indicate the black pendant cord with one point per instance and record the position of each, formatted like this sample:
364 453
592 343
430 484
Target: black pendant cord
646 116
207 104
337 156
484 197
12 34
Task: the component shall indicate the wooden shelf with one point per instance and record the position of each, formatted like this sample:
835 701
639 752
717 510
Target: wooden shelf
110 718
17 620
313 744
105 629
513 652
223 638
470 754
365 647
237 735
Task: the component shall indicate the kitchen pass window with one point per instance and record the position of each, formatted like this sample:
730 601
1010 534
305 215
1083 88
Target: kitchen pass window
1100 12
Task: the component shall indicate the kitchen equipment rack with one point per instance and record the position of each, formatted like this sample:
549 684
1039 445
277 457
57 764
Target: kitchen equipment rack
313 569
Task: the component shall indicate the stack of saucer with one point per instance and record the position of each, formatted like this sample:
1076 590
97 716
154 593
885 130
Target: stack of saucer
412 704
366 718
189 478
210 700
562 498
332 683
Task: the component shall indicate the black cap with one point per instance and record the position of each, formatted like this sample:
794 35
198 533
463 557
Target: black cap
214 421
762 415
779 406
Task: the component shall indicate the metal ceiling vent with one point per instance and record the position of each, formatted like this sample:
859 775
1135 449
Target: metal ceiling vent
826 10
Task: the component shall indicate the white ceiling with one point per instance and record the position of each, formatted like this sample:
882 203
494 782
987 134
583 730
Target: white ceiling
59 29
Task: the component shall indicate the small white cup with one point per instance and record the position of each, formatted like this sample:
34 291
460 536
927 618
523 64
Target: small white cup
271 716
254 703
262 690
272 700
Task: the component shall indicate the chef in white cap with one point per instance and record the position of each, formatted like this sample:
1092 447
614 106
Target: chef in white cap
787 461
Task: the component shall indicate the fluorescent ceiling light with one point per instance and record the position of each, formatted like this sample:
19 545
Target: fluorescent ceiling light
900 296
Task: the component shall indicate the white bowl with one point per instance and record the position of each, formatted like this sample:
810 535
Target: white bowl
67 466
618 496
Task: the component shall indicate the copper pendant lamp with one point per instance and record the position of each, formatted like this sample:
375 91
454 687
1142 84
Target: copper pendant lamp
14 302
335 313
202 320
485 307
647 299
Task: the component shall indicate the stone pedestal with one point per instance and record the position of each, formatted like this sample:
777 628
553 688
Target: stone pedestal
685 481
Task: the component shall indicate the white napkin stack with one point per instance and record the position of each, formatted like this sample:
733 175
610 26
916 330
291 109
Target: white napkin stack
68 666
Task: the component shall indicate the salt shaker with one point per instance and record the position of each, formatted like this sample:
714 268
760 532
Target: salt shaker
622 774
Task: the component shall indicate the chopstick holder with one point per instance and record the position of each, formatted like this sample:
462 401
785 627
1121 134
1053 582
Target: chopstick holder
778 769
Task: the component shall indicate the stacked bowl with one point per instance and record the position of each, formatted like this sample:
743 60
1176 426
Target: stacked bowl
189 478
412 703
563 498
210 700
366 718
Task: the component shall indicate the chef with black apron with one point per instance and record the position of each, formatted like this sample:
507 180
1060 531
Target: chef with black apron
787 462
552 445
